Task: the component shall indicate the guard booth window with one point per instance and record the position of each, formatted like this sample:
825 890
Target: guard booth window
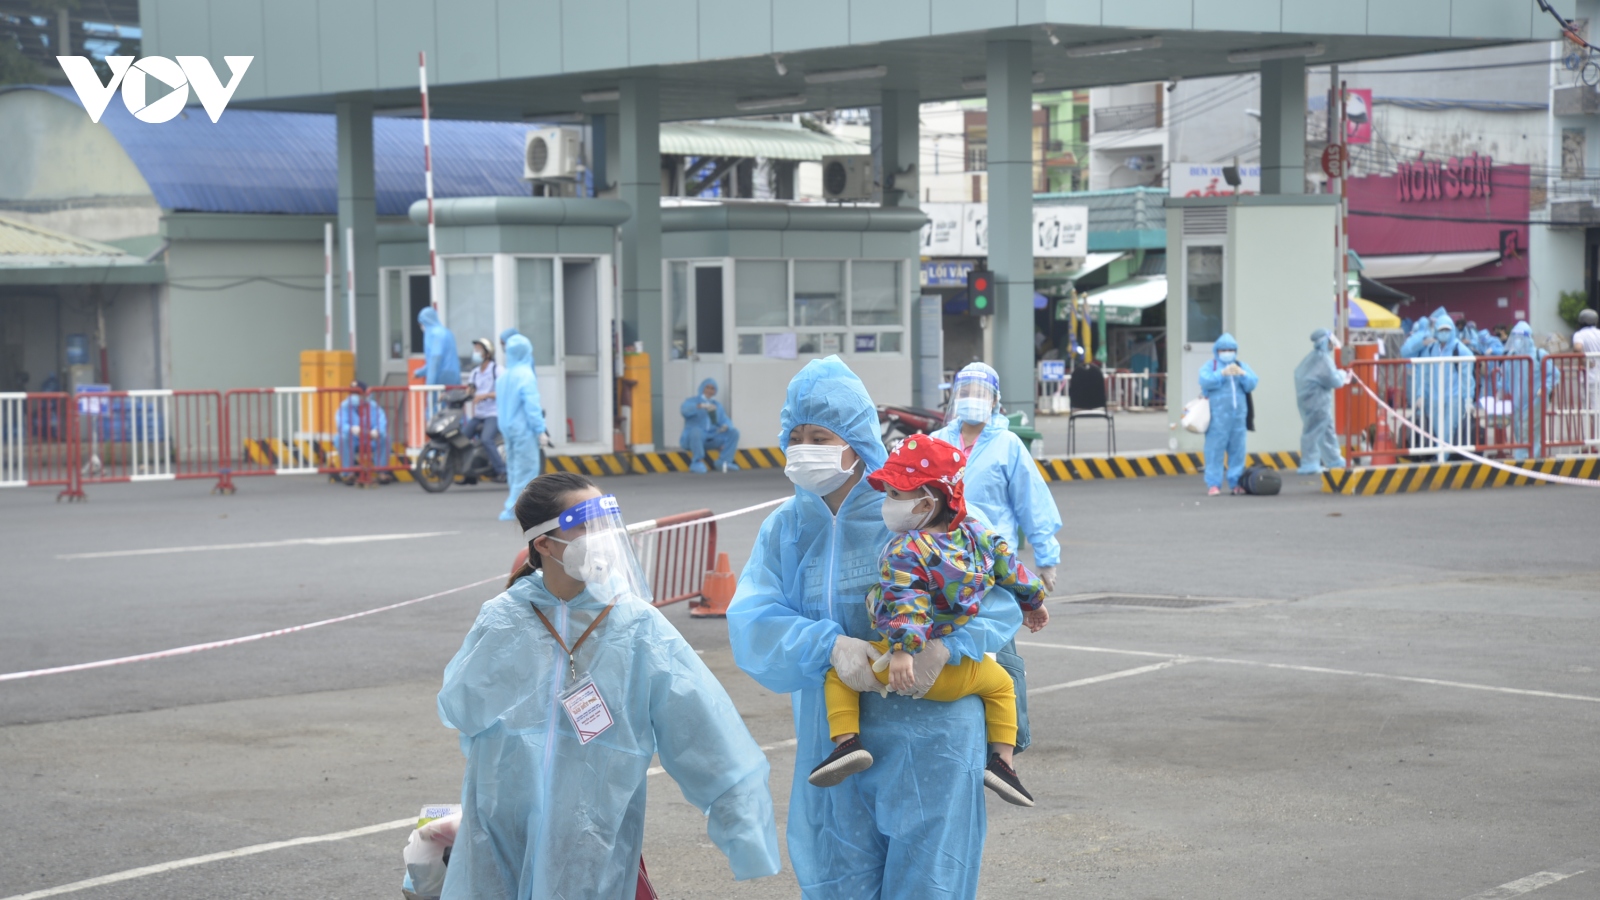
708 309
1204 301
536 307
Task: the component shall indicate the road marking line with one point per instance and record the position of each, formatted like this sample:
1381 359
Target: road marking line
657 770
230 642
1535 881
1323 670
1110 676
294 542
157 869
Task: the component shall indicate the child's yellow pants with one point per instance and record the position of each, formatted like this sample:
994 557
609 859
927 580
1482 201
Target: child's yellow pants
986 678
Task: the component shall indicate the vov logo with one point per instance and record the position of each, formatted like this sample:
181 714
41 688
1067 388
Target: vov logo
188 72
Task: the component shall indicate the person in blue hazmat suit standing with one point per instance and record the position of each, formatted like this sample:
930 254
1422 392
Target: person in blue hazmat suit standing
361 418
1315 380
1522 383
566 686
1224 382
706 426
1443 392
521 420
440 364
1003 482
913 825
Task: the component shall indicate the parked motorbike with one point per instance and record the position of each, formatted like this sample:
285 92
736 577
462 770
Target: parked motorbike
900 422
449 452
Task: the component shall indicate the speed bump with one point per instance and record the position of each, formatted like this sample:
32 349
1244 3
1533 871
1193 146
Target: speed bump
1450 476
1092 468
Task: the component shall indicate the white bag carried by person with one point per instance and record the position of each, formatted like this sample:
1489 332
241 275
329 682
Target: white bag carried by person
427 852
1197 415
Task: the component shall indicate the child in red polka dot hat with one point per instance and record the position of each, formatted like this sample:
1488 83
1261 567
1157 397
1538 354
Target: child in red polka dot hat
932 577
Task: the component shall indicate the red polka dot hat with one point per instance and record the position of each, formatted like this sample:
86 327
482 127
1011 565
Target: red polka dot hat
923 461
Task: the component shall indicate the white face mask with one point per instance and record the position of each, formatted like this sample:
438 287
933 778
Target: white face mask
902 516
972 410
583 562
477 359
817 467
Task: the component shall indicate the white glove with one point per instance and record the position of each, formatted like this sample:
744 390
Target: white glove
853 659
926 666
1047 574
1344 377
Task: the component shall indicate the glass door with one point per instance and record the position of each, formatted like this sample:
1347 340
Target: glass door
405 293
1204 270
696 335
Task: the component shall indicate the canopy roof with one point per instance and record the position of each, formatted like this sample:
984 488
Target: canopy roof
771 140
30 254
1423 265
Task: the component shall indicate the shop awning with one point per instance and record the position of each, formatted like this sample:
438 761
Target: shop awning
1126 301
745 139
1422 265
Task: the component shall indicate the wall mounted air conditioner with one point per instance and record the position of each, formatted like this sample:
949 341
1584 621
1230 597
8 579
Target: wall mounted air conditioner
552 154
847 177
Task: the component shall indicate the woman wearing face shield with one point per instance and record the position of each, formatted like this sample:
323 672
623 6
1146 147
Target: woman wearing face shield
566 686
1003 482
913 825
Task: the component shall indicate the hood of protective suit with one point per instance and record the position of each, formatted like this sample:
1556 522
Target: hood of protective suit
1521 341
985 369
1319 338
1444 323
506 334
519 352
701 390
827 393
428 317
1225 342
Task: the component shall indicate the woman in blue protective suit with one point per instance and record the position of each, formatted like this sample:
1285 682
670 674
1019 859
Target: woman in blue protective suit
440 364
566 686
521 419
913 825
1224 382
1522 381
1003 482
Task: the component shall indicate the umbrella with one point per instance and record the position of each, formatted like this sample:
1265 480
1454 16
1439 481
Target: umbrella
1366 314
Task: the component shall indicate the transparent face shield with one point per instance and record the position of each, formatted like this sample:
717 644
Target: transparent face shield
597 551
972 399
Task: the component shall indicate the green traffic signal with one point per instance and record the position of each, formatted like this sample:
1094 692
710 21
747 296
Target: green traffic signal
980 302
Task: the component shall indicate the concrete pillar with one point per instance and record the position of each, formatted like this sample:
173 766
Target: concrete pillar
358 209
639 181
900 142
1011 217
1283 126
605 154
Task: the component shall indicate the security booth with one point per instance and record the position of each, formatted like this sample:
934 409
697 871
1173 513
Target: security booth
753 292
541 265
1248 265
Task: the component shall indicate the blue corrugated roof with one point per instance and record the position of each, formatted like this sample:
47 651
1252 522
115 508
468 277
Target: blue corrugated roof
256 161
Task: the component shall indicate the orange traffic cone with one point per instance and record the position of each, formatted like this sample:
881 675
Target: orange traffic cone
716 591
1383 441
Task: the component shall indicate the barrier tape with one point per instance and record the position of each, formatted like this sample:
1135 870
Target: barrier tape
650 527
1482 460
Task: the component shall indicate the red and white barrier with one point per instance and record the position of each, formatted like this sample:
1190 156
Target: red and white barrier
1486 405
1571 384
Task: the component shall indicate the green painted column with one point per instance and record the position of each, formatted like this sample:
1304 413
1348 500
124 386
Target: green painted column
639 183
1011 217
901 134
1283 126
358 210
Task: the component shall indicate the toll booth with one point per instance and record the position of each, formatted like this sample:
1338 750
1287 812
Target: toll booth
542 265
1258 267
752 292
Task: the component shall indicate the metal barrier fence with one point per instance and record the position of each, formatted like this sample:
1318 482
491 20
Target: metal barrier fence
1125 392
34 446
1571 389
159 435
1488 405
676 552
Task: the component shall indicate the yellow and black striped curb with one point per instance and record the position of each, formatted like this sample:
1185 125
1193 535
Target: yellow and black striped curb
1454 476
1087 469
656 463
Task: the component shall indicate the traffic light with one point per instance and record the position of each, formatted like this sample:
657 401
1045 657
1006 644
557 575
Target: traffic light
980 292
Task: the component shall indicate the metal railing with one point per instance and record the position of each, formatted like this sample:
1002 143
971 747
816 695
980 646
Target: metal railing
1487 405
676 552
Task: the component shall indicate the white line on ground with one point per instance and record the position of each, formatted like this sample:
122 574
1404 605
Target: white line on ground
158 868
293 542
1110 676
1322 670
1535 881
657 770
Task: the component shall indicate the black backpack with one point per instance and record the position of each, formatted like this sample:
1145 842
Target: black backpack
1261 480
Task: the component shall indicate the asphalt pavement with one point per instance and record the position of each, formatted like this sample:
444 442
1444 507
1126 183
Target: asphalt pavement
1302 696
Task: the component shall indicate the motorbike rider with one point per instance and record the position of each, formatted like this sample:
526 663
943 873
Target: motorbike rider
484 423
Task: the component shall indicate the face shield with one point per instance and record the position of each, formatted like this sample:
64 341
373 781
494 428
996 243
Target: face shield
598 551
973 398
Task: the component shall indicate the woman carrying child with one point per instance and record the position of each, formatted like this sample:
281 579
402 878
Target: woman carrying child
913 825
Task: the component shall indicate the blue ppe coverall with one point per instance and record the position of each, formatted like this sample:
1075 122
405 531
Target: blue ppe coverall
1003 481
349 417
913 825
505 335
1315 380
543 815
1521 381
1442 391
707 429
521 419
1226 394
440 364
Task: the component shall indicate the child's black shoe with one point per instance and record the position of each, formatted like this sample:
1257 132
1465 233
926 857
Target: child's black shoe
1003 780
846 759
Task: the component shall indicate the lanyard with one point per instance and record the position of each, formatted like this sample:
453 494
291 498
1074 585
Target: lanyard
572 663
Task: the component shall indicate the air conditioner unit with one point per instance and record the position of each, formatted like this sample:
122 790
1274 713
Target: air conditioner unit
847 177
552 154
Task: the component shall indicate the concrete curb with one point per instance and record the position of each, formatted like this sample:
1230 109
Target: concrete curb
1453 476
656 463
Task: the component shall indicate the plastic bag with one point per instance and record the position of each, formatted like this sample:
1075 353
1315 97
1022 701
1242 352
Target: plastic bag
1197 415
428 851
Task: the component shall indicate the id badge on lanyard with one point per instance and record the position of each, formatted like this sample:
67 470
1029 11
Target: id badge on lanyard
585 707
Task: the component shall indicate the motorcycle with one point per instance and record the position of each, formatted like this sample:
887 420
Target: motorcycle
449 452
897 423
